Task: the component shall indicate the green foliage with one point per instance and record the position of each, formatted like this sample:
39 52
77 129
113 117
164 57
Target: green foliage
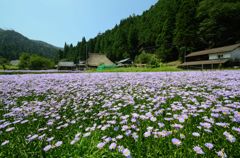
76 53
35 62
149 59
186 27
164 40
24 61
3 62
219 22
132 42
39 63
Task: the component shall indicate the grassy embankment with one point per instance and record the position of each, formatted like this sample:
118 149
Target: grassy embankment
9 67
138 69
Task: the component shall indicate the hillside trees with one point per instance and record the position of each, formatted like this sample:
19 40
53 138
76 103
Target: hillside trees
219 22
185 33
12 44
164 41
82 49
132 41
169 29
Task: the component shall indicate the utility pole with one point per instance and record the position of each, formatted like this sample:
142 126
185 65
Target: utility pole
185 55
79 54
86 53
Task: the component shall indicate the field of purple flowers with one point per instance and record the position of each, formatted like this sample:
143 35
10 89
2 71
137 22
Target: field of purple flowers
177 114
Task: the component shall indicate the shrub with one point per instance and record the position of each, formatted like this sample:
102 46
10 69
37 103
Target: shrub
34 62
40 63
149 59
3 62
24 61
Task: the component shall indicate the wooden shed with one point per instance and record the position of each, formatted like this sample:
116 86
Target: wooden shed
69 65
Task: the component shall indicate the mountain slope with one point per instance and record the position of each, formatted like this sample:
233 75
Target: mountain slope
12 44
168 29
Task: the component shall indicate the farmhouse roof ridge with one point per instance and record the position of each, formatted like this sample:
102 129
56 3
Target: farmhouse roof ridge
96 59
215 50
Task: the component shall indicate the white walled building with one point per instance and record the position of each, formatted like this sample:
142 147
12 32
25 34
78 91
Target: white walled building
214 56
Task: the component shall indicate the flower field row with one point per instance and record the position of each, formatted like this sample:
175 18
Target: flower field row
177 114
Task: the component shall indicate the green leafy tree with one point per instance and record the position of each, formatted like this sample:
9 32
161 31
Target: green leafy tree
24 61
35 62
40 63
149 59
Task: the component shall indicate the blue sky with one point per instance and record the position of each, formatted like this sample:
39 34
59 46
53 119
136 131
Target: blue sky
60 21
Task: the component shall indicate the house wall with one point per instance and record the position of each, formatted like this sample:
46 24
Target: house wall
233 55
236 54
226 55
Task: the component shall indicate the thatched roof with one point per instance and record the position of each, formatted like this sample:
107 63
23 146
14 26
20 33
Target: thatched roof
204 62
66 64
215 50
98 59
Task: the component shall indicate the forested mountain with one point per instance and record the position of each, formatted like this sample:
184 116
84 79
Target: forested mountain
12 44
168 29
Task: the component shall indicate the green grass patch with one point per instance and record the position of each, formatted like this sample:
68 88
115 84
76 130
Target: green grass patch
139 69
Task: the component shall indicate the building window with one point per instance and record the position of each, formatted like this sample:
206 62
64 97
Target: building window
220 56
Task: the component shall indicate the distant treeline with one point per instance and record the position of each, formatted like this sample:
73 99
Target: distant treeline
169 29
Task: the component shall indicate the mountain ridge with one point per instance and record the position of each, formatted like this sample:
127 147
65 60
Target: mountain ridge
13 44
